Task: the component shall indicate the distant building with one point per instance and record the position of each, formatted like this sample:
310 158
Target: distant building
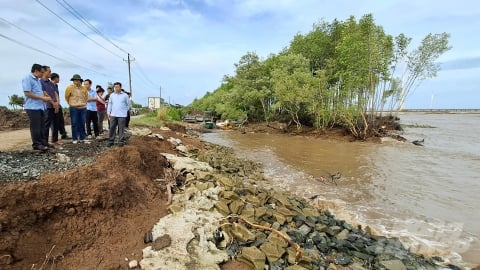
156 102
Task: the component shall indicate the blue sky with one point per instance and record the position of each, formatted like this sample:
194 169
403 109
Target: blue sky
187 46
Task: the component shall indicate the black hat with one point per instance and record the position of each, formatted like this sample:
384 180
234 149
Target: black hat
76 77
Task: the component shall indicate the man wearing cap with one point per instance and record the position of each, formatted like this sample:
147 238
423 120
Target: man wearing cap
35 106
101 108
76 96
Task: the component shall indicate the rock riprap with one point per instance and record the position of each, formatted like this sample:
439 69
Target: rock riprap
223 214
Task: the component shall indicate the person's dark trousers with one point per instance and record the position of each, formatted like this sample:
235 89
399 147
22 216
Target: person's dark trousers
37 124
61 123
56 125
117 122
51 122
101 116
92 118
128 119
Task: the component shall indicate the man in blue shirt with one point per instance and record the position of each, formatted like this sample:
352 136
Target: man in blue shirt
92 117
35 107
117 109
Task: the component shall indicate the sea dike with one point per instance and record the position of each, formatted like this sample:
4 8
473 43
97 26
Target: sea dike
222 213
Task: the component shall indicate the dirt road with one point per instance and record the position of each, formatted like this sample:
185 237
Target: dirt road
15 139
19 139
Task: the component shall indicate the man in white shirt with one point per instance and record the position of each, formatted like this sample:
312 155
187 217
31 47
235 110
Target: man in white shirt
117 109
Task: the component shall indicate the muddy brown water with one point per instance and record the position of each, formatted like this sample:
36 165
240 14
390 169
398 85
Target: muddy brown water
427 196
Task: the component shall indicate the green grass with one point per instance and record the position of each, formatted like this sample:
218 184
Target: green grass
150 120
157 118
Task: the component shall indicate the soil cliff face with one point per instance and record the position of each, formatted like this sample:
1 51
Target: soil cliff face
91 217
12 119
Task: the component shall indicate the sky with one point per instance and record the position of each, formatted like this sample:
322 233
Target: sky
183 48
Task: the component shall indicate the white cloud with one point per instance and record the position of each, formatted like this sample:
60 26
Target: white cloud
187 46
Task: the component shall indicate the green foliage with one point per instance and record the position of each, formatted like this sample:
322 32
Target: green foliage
251 87
162 114
149 119
174 114
151 114
421 63
316 46
293 85
341 73
136 105
16 101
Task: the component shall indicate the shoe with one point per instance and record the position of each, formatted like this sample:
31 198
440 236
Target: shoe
109 144
89 137
57 143
41 148
58 146
74 141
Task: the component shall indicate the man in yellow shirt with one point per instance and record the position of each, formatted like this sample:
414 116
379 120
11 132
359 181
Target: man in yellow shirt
76 96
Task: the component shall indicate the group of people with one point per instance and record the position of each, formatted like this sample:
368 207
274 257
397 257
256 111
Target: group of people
87 108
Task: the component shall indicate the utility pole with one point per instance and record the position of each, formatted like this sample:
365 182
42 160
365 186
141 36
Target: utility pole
160 100
129 74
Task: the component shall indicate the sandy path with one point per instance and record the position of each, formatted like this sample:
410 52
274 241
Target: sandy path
15 139
18 139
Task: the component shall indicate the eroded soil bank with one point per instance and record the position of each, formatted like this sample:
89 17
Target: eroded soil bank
90 217
94 216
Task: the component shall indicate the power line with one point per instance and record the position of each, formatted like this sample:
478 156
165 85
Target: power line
142 80
48 54
32 48
51 44
83 34
145 75
75 13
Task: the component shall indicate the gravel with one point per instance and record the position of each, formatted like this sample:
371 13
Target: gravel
27 165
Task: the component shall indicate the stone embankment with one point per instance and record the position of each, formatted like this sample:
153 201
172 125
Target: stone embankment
218 212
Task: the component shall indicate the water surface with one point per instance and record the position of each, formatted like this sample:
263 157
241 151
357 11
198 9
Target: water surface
428 196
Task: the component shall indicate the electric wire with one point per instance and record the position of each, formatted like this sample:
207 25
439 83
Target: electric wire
83 34
48 54
51 44
142 83
145 75
75 13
